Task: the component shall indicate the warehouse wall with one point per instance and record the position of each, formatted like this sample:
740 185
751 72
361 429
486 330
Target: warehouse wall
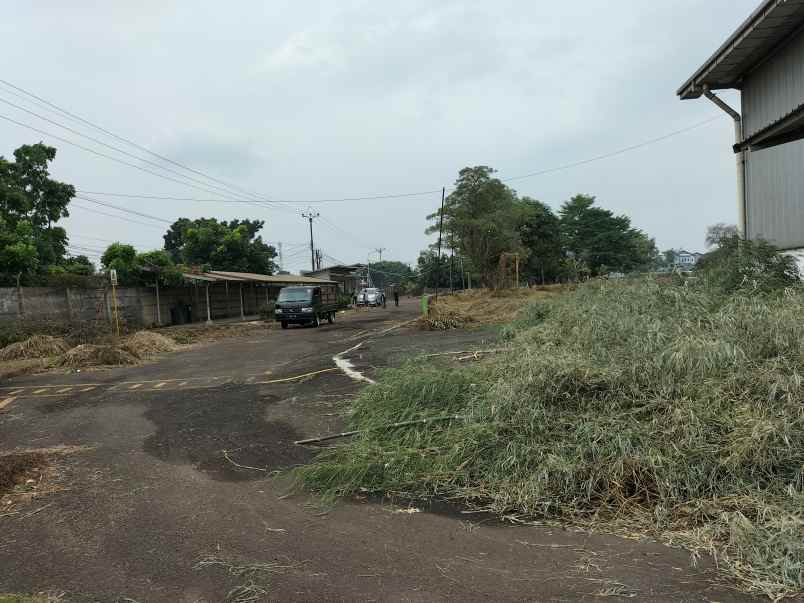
775 195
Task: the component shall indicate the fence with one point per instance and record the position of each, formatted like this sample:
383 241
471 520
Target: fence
137 306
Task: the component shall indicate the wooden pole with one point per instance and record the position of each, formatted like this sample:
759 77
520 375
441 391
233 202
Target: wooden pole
158 305
209 311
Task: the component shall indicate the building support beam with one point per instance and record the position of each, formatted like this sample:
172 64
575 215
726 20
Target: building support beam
741 159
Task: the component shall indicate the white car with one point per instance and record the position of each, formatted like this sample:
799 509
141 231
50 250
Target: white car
371 296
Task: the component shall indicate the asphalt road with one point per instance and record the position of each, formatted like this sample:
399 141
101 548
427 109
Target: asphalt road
180 496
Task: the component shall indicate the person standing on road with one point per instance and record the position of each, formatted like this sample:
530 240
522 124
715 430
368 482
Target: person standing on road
396 297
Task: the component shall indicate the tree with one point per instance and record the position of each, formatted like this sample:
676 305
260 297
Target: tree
719 231
136 269
432 272
480 220
79 264
220 245
389 272
30 205
601 240
539 231
122 259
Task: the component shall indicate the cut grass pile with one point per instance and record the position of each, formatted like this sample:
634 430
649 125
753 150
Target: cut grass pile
96 355
144 344
37 346
481 307
647 408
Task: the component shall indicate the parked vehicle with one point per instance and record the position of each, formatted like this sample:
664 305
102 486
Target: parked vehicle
306 305
370 296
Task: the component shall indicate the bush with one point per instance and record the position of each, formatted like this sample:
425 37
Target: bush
738 265
669 410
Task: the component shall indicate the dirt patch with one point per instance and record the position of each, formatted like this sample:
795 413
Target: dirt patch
96 355
38 346
481 307
19 468
144 344
16 368
203 333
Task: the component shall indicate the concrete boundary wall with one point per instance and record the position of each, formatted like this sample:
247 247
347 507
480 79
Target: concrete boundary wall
137 306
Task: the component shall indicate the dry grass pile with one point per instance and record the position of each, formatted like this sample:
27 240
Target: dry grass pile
96 355
657 409
144 344
37 346
481 307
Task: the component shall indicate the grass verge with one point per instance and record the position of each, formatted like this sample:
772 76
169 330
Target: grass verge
641 407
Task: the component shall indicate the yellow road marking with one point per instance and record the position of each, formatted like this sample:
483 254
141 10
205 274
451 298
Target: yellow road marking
297 377
41 391
136 386
14 393
64 390
6 402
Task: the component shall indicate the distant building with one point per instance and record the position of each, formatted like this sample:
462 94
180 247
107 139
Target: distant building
764 60
685 259
348 277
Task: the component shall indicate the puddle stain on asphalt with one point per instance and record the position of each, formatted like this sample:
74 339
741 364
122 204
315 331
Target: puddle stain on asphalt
197 429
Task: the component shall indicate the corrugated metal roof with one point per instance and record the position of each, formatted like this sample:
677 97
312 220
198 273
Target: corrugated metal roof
268 278
767 27
215 276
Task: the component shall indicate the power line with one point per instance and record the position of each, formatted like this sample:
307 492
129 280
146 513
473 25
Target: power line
213 189
94 152
123 139
103 213
124 209
427 192
613 153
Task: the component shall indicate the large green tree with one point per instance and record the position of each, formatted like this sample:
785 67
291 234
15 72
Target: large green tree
388 272
480 221
31 203
601 240
220 245
540 233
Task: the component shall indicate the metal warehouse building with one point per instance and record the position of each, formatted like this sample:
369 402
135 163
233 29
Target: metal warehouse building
764 59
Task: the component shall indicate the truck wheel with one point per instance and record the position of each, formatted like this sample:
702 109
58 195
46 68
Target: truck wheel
331 317
284 324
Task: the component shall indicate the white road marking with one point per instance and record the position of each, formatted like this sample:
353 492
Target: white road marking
88 389
160 385
64 390
136 386
6 402
347 367
41 391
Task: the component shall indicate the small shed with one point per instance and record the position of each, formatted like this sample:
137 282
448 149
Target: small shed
222 294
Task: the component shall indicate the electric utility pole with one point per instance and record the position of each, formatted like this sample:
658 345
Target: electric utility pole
310 215
440 229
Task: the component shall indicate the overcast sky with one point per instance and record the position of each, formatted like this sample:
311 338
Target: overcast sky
315 100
